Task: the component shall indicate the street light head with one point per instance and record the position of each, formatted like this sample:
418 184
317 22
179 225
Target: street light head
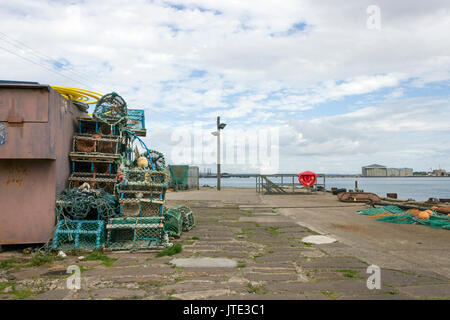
214 133
222 125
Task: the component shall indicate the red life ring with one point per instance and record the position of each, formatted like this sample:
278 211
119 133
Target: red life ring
307 178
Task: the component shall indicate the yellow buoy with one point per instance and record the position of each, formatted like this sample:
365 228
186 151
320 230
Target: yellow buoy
142 162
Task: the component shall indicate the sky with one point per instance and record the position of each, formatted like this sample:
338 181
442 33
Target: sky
343 84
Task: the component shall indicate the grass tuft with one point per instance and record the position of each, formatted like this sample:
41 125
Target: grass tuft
350 273
8 264
177 248
98 255
40 259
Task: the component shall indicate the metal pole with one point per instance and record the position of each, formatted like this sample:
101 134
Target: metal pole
218 154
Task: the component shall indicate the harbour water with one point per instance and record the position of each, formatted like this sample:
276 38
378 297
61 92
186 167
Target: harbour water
417 188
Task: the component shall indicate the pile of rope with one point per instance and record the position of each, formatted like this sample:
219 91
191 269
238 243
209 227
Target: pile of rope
78 203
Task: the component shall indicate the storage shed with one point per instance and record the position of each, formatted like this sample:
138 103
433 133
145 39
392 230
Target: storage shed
36 129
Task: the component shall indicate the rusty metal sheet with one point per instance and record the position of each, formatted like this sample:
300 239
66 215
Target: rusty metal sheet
29 185
24 123
19 105
27 198
26 141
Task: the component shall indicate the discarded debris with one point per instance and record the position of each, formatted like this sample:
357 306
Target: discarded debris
357 197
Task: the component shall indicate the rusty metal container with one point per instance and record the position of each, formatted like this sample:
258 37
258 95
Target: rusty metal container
36 129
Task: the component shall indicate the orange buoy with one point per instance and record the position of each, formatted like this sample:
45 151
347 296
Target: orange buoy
414 212
424 215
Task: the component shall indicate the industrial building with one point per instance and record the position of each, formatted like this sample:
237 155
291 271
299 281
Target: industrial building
376 170
399 172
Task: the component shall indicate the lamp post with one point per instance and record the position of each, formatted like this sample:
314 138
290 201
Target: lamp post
220 126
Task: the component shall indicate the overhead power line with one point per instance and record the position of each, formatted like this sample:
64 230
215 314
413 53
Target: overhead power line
86 79
43 66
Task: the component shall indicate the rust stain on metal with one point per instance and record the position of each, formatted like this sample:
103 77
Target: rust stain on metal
16 174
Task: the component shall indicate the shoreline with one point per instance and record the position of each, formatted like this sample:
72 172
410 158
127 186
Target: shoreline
398 201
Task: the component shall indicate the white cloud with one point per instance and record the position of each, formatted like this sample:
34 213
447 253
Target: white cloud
194 59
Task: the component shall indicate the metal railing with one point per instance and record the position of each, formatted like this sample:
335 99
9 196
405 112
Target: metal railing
285 184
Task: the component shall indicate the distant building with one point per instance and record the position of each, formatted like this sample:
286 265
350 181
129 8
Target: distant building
439 172
376 170
399 172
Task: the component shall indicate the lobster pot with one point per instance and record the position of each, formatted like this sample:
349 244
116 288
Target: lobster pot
94 126
149 176
140 207
106 181
141 190
156 177
136 122
150 208
135 233
130 208
173 223
134 175
187 216
77 204
102 145
66 209
92 165
79 235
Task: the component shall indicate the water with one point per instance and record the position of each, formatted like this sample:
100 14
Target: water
418 188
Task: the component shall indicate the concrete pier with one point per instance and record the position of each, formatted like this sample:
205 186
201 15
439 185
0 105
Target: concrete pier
263 236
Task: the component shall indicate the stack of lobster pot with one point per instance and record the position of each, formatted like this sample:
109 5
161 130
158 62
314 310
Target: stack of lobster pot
141 196
89 202
95 153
